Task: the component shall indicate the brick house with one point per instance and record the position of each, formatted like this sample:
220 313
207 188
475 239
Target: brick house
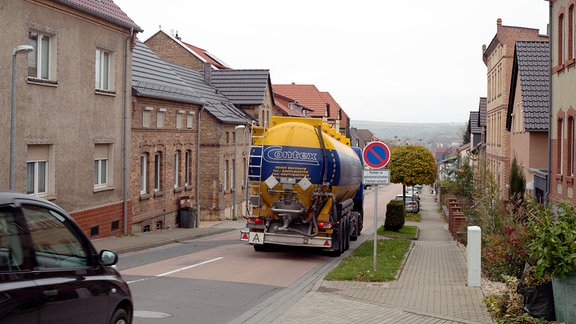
224 143
361 137
70 139
527 117
171 48
563 97
498 58
322 104
164 142
183 143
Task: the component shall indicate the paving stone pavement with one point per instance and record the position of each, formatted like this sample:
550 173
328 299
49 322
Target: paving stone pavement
432 287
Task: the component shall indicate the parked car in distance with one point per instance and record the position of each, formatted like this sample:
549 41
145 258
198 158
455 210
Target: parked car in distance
49 270
414 192
411 205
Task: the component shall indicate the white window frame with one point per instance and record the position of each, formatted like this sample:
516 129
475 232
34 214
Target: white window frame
157 171
226 180
187 160
35 188
102 166
176 169
42 60
103 70
38 158
144 173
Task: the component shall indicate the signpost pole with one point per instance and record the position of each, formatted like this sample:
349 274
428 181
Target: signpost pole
376 155
375 225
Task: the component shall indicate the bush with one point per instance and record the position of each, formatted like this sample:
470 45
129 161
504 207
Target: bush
395 216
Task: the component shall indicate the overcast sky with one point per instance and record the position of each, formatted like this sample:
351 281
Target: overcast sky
391 61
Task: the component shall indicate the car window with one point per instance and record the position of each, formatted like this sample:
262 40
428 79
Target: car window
12 256
55 246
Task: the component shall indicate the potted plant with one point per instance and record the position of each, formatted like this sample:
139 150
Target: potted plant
553 248
537 293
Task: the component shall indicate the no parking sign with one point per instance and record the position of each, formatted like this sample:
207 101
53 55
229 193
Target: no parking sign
376 155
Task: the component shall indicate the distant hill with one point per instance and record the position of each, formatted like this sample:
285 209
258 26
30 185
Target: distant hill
416 133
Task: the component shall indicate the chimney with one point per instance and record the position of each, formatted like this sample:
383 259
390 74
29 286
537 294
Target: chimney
207 73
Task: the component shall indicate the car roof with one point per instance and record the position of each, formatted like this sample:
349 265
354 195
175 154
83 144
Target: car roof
9 197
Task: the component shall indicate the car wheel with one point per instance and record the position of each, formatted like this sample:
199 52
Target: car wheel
120 317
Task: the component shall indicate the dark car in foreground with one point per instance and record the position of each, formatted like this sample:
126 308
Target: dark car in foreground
49 270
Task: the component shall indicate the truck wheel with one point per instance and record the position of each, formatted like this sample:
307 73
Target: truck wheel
354 235
340 248
346 235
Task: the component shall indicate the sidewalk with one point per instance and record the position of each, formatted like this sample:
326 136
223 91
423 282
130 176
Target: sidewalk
146 240
431 287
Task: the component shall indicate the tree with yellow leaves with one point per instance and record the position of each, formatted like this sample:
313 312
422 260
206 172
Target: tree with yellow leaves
411 165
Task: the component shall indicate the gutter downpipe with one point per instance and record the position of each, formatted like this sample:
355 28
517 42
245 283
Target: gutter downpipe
197 220
549 175
126 135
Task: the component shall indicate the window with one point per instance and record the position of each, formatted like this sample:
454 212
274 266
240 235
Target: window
101 165
571 32
37 172
176 169
55 246
187 165
42 60
560 150
570 148
561 39
13 256
147 117
179 119
160 118
157 171
190 120
226 167
143 173
103 69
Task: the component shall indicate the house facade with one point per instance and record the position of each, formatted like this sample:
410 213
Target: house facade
70 141
498 58
563 97
164 141
321 104
527 117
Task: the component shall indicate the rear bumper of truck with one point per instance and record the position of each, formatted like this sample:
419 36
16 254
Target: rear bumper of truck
255 238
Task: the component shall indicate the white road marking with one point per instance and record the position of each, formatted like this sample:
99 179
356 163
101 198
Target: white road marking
176 270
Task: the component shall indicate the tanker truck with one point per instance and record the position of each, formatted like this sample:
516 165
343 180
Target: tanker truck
304 187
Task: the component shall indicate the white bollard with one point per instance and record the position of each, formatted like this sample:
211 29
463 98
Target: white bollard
473 251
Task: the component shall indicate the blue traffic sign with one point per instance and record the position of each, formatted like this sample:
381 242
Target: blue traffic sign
376 155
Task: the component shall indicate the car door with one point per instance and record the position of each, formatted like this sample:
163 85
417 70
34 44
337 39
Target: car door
19 302
65 265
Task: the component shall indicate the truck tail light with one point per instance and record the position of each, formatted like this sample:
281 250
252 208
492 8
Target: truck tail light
255 220
324 225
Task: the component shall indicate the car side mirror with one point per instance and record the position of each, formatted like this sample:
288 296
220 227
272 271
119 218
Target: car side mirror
108 258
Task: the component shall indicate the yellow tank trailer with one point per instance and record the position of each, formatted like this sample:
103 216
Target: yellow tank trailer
304 187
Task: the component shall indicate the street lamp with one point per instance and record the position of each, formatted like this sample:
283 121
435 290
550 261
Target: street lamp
15 51
234 169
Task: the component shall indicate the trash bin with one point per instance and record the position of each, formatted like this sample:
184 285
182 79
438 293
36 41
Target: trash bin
186 213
